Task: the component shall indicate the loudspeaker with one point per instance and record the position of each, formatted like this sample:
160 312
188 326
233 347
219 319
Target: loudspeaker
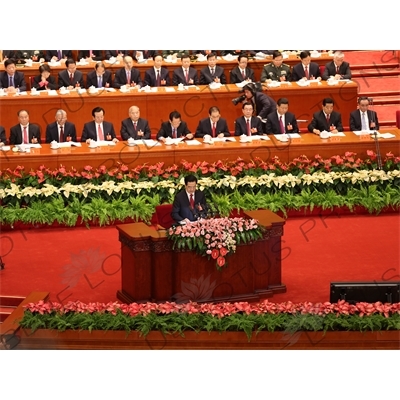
368 292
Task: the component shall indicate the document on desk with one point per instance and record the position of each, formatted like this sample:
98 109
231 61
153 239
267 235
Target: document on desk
193 142
259 137
169 89
32 146
105 143
386 135
224 139
69 144
331 134
151 143
359 133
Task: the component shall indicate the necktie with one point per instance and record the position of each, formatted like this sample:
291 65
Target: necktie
281 124
174 134
191 201
59 54
158 78
327 118
99 81
212 71
248 128
337 69
213 129
100 132
11 81
128 77
61 134
243 74
306 71
363 122
135 126
187 76
90 53
71 78
26 139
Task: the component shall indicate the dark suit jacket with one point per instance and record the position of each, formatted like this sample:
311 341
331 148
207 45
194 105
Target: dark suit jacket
319 122
3 138
273 126
298 71
355 120
52 84
19 81
204 128
264 105
120 78
330 70
241 126
179 77
52 132
90 131
127 130
236 75
166 130
146 54
181 205
113 53
63 79
150 77
98 54
51 53
206 77
16 133
91 79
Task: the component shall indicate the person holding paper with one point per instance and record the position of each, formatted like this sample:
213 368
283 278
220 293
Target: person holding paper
281 121
11 80
61 130
214 125
212 73
174 128
337 69
242 72
100 77
248 124
45 81
326 119
186 74
98 129
24 132
306 70
70 77
135 127
363 119
157 75
189 204
127 76
276 70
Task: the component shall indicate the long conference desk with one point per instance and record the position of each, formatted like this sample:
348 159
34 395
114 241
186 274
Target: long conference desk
111 156
193 104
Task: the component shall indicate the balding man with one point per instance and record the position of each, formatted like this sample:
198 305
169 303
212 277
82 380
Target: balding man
135 127
338 68
128 75
24 132
61 130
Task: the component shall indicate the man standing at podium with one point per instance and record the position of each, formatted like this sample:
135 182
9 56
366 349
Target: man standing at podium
189 204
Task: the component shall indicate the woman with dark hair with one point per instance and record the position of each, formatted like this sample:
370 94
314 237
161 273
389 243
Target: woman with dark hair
44 81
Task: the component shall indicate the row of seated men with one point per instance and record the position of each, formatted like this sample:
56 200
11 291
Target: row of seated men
278 121
186 74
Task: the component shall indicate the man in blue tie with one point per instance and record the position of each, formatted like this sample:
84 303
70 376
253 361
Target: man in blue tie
12 80
100 77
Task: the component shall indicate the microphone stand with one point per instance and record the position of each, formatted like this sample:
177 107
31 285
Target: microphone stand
377 148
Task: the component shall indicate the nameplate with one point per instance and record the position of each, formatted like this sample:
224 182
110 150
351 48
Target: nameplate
295 140
365 137
335 139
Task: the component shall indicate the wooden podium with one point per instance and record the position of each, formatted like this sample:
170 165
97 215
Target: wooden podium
152 271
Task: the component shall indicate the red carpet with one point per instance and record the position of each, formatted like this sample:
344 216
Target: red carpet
83 264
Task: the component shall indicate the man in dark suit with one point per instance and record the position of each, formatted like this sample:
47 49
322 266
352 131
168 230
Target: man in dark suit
58 55
91 55
306 69
135 127
24 132
186 74
248 124
100 77
363 119
212 73
326 119
61 130
138 55
281 121
128 75
189 204
3 139
338 69
12 80
98 129
214 125
116 53
70 77
242 72
174 128
158 75
263 104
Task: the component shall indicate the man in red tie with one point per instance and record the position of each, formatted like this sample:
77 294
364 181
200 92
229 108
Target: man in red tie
248 124
214 125
186 74
174 128
281 121
157 75
98 129
306 70
135 127
242 72
70 77
337 69
24 132
326 119
189 204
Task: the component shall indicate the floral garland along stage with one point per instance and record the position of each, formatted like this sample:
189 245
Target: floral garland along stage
239 316
216 237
